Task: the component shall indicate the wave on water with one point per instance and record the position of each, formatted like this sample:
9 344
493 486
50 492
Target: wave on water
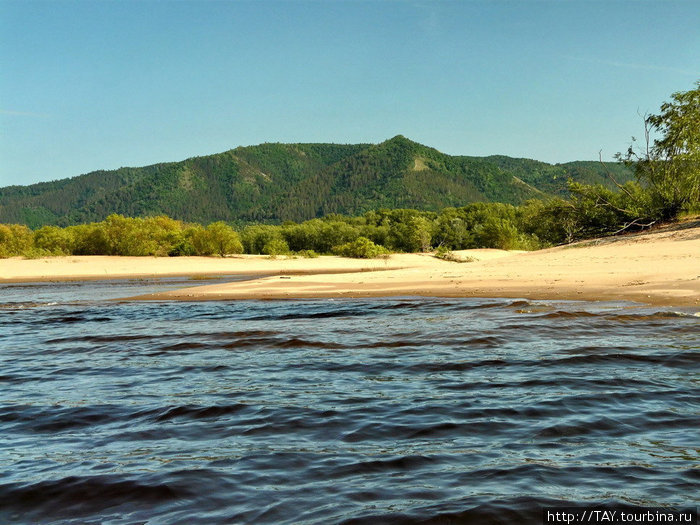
407 410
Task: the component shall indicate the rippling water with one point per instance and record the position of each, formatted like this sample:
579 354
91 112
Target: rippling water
348 411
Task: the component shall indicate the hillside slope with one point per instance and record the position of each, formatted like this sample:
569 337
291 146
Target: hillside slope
278 182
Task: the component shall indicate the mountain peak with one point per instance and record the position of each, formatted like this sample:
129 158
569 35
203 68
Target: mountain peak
400 139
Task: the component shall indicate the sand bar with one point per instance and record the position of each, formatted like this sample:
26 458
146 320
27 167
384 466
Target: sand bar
81 268
660 267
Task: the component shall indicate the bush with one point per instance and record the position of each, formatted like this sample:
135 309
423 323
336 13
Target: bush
52 240
224 238
218 238
361 248
451 230
166 232
255 237
128 236
446 254
412 233
308 254
89 239
15 239
276 247
504 235
553 222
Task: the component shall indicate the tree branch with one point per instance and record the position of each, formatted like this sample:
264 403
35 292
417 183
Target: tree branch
630 224
607 172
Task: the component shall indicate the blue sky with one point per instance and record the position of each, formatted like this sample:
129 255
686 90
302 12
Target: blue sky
88 85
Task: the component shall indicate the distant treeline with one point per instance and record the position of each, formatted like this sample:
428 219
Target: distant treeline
491 225
533 225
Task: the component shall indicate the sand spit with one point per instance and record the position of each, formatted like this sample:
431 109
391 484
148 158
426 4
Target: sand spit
660 267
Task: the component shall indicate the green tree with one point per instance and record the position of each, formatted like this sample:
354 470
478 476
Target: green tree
667 170
89 239
503 234
53 240
670 166
167 234
15 239
255 237
451 231
553 222
224 238
196 242
410 230
276 247
218 238
128 236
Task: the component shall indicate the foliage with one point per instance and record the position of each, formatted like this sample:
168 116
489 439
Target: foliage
224 238
670 167
15 239
216 239
308 254
89 239
271 183
52 240
667 171
409 232
256 237
319 235
276 247
446 254
503 234
119 235
552 222
360 248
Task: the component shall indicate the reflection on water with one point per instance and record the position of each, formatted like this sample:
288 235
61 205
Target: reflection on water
357 411
27 295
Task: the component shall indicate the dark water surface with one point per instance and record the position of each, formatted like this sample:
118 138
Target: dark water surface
346 411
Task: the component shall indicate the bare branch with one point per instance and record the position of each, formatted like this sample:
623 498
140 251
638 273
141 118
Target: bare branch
634 222
607 172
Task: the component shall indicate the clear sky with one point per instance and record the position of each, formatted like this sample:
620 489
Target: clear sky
88 85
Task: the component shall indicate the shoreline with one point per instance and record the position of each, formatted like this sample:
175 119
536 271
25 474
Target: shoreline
73 268
659 268
194 277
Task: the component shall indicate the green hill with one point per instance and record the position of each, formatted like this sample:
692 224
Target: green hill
278 182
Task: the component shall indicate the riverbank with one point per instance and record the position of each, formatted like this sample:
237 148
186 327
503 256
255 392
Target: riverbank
660 267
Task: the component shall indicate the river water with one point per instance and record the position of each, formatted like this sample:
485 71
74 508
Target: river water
401 410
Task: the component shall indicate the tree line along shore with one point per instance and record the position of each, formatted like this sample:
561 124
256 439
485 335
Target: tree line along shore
667 187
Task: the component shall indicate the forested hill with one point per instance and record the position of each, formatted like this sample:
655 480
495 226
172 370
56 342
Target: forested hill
278 182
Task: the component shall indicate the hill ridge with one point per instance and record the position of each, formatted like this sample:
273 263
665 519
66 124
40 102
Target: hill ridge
274 182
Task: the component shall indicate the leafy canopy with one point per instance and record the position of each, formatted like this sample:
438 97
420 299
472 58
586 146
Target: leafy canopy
669 167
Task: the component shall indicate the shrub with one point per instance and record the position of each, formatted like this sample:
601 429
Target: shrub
361 248
276 247
218 238
446 254
309 254
89 239
128 236
255 237
224 238
504 235
15 239
52 240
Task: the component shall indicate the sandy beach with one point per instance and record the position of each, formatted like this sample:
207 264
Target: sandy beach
660 267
